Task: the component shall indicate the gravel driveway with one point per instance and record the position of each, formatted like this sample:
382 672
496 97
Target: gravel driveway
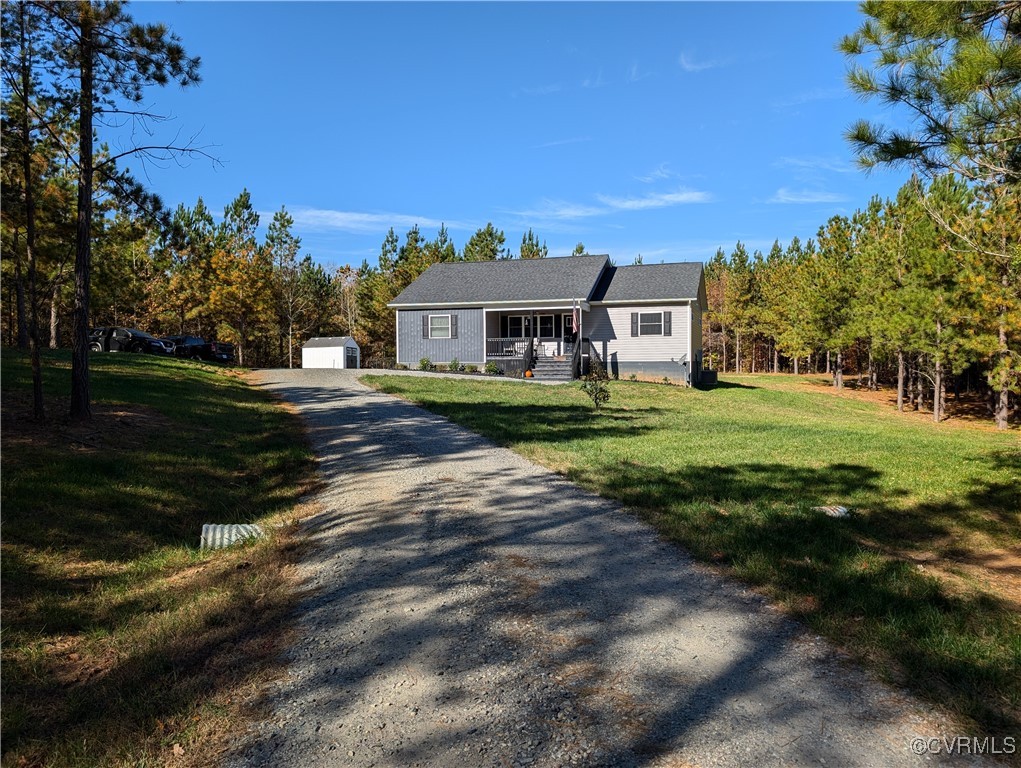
470 608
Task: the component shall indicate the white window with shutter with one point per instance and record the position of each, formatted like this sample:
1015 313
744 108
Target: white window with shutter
439 326
650 324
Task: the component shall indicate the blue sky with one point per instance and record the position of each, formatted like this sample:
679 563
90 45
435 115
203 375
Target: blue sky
661 129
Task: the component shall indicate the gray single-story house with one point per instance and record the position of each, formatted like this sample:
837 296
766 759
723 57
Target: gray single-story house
331 352
556 316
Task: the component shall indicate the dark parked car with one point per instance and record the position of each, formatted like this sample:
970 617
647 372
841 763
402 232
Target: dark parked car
116 339
199 349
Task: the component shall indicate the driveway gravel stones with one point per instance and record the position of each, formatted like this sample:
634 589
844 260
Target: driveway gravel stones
465 606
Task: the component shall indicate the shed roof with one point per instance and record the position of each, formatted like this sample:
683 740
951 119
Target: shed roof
328 341
510 280
649 282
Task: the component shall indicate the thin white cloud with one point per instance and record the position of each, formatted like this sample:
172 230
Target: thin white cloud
832 164
785 195
690 64
359 222
635 74
660 173
659 200
596 82
562 142
561 210
814 94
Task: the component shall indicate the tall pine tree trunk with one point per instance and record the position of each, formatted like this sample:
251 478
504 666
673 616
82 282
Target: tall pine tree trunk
828 361
776 359
900 380
81 399
937 393
737 353
55 315
1003 396
796 372
26 158
838 370
290 344
723 335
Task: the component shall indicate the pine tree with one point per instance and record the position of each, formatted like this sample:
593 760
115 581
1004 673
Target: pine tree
832 290
530 248
956 66
717 280
737 299
487 244
772 277
100 59
190 242
241 299
292 298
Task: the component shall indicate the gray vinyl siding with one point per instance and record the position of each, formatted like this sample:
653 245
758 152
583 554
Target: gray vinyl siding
609 329
468 347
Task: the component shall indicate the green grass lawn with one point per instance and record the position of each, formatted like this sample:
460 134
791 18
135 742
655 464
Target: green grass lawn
120 638
922 582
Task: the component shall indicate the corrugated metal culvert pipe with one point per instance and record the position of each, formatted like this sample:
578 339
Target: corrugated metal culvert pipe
216 536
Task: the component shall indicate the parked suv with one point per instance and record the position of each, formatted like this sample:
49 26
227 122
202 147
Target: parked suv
114 339
199 349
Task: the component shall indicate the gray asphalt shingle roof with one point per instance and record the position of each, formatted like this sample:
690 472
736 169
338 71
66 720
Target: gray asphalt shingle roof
563 278
327 341
481 282
649 282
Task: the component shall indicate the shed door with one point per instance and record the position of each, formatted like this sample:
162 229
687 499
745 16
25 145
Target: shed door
351 360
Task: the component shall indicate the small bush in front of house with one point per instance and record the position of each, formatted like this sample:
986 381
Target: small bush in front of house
492 368
454 365
596 370
471 368
425 364
400 367
596 388
666 380
633 377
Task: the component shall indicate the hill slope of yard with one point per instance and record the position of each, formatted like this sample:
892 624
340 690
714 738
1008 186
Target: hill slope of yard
923 581
123 643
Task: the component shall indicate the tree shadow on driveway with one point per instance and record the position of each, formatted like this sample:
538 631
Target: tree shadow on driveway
464 605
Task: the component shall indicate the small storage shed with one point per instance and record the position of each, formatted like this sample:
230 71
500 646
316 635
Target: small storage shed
331 352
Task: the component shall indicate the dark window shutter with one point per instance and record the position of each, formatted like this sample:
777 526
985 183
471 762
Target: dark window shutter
666 324
634 323
453 326
425 326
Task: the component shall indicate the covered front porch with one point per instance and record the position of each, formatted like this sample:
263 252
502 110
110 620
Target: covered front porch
546 340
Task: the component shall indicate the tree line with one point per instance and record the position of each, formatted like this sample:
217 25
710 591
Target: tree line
196 274
893 294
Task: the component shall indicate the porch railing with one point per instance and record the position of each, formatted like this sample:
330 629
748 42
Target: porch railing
507 347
